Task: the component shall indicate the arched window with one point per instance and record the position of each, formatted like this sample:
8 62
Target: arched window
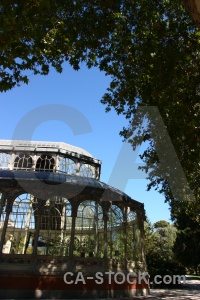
45 163
67 166
87 170
4 161
132 236
55 227
89 229
115 232
51 215
21 226
22 162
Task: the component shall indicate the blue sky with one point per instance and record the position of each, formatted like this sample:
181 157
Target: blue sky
80 91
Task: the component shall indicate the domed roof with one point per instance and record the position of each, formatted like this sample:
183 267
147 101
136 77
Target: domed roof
43 146
36 183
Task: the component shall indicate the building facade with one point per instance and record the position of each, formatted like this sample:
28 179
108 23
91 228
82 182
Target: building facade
61 226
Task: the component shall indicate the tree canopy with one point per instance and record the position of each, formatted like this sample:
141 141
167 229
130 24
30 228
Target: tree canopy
38 34
160 239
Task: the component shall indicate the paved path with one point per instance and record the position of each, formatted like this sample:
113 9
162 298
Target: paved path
190 291
172 295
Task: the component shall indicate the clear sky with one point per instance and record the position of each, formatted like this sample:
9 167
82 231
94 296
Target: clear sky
45 98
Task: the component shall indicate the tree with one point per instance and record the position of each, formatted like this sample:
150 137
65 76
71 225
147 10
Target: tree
37 34
160 238
187 245
146 69
143 53
152 58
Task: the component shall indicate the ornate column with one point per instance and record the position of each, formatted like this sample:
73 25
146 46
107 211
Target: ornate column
140 219
63 228
57 160
105 206
27 225
74 215
105 218
2 203
96 225
34 161
78 165
40 206
125 232
10 197
97 172
12 159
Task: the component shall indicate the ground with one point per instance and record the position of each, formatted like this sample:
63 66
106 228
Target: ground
190 290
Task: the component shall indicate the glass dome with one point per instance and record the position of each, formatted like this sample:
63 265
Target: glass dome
57 217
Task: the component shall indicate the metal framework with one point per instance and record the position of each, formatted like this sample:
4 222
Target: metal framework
53 206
